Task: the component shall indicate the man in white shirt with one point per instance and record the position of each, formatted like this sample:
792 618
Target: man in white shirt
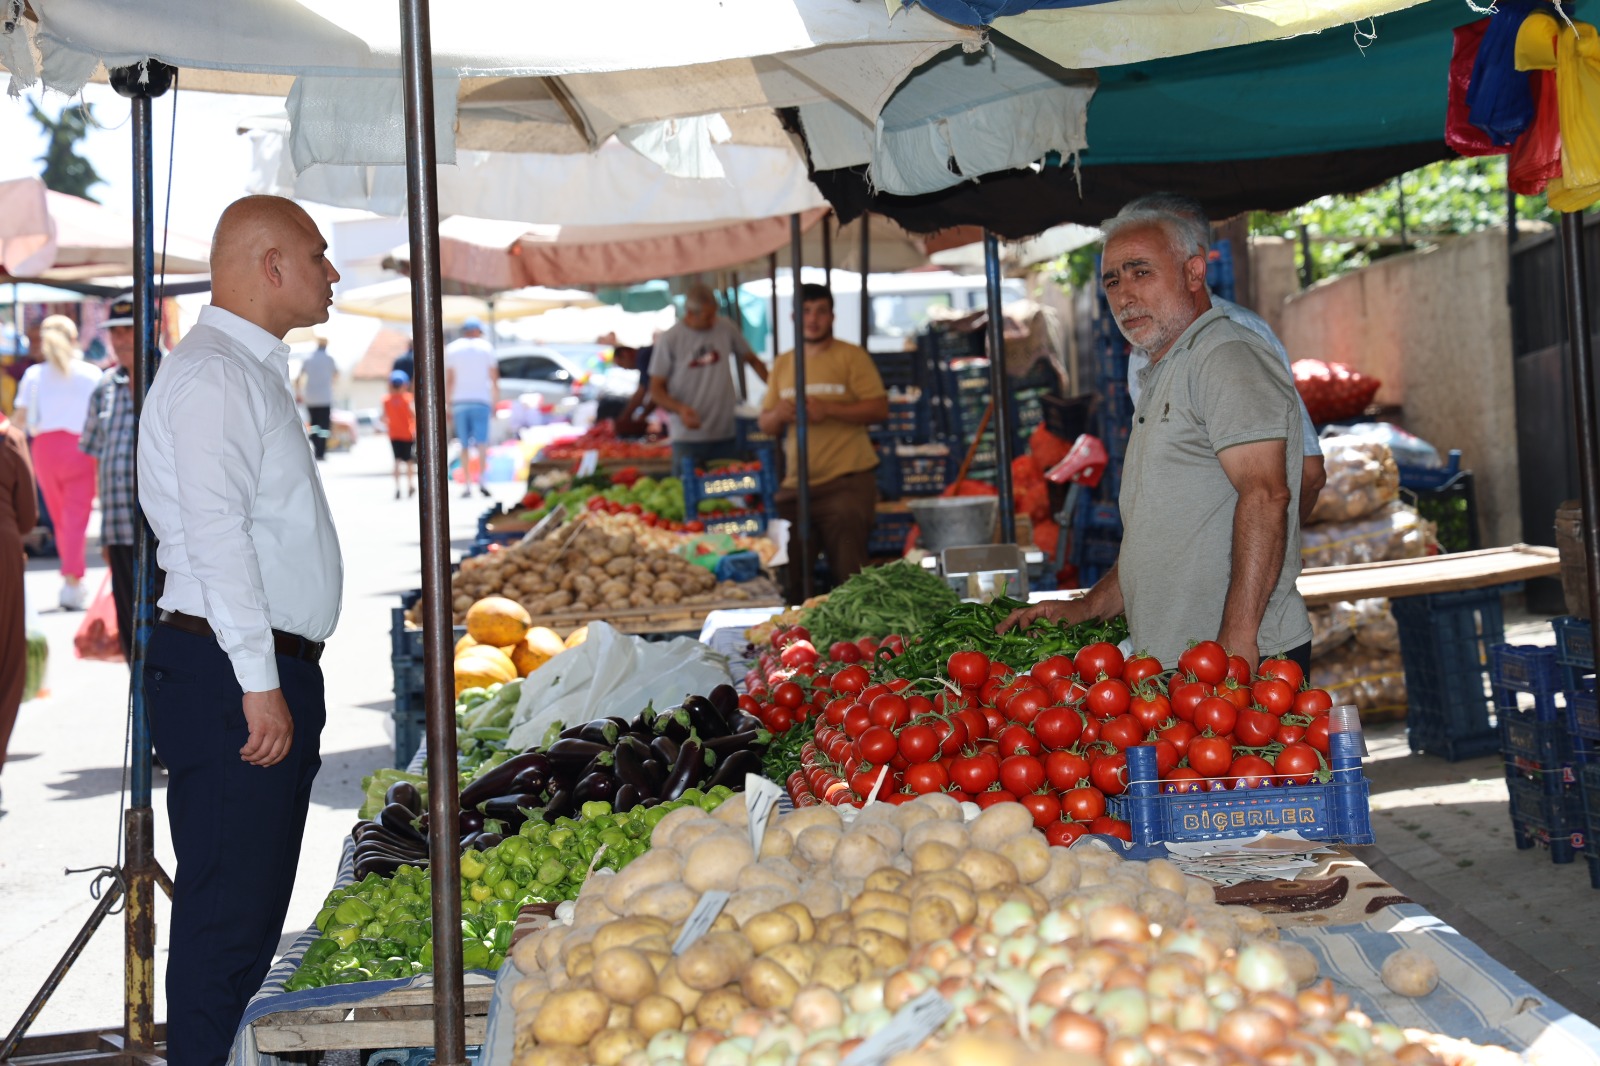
253 587
317 375
472 381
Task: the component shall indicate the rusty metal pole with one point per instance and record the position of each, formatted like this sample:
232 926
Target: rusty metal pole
801 535
1580 357
1000 390
449 1023
866 268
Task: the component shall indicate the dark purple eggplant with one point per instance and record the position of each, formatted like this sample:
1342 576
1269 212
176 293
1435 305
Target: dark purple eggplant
600 785
469 821
470 840
570 733
731 770
705 719
374 852
382 838
533 779
643 723
666 749
488 840
674 725
655 775
560 805
506 808
629 767
685 772
397 820
570 754
745 723
496 781
405 794
639 747
384 865
623 728
627 799
600 731
725 698
650 801
731 743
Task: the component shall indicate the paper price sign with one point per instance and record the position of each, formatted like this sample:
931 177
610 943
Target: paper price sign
588 464
911 1025
760 797
705 912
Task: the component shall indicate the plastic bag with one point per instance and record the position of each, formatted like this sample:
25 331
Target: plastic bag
1408 449
1393 532
1333 391
1536 156
97 636
1332 625
613 673
1459 132
1374 681
1362 477
1500 97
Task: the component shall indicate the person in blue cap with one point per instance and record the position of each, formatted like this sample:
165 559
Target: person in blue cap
472 383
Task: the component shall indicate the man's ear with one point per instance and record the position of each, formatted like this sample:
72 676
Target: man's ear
1195 272
272 267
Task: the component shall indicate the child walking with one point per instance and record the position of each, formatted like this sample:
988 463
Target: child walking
401 418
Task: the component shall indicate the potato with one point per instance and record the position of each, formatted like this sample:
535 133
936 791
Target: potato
932 918
895 923
714 862
770 872
571 1016
1061 878
692 833
625 932
669 984
591 909
579 961
887 879
798 821
623 975
798 959
872 899
909 815
1302 964
1000 823
553 1055
769 929
884 832
713 961
527 994
951 833
1410 972
817 843
934 855
840 967
672 902
723 923
945 808
610 1046
857 853
884 949
802 919
550 944
766 984
654 867
734 813
1028 853
750 902
717 1010
525 954
656 1012
821 897
663 835
776 842
987 869
835 929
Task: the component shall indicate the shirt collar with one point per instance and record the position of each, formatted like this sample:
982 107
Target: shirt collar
1186 338
258 341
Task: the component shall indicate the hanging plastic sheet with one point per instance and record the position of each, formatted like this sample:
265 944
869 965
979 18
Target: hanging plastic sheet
1499 97
1459 132
1573 51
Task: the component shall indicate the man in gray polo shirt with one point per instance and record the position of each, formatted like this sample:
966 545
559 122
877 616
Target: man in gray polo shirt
691 378
1210 488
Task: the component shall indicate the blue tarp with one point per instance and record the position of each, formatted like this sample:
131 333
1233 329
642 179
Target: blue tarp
983 12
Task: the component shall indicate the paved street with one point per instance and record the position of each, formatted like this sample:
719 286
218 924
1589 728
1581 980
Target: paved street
63 777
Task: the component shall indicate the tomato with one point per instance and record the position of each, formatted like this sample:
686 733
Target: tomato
1062 834
1021 774
1185 696
805 670
918 743
1107 826
977 725
976 772
1236 694
1064 769
1058 727
1251 770
1000 670
1090 734
1109 773
1047 670
843 651
1206 661
749 705
1083 804
1066 690
1108 698
1044 806
1297 763
1285 669
959 795
1098 658
1025 706
1181 779
1016 740
989 798
899 684
837 709
1255 728
968 668
877 744
1289 734
1312 702
872 692
1210 756
1217 715
1150 707
894 642
798 653
1179 734
889 711
926 777
919 705
1139 668
952 736
856 722
778 720
989 691
994 720
868 646
789 695
1238 670
783 637
1317 734
1167 757
1274 695
865 780
1123 731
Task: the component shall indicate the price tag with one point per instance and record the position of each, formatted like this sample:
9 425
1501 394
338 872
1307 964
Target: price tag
877 787
910 1026
705 912
760 797
589 463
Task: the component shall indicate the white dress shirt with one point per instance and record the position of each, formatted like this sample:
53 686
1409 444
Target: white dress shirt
230 486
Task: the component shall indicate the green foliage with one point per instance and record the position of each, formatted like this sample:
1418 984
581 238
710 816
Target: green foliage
64 169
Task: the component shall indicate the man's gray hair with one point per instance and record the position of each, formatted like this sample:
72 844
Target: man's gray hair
1187 235
1172 203
699 298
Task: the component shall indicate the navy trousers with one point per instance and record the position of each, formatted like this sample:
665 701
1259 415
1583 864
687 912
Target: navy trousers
236 829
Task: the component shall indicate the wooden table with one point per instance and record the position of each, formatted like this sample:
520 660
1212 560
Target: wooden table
397 1019
1435 573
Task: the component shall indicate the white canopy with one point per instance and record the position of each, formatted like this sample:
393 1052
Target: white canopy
391 302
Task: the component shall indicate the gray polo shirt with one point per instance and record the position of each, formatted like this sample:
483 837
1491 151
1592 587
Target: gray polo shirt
699 365
1217 387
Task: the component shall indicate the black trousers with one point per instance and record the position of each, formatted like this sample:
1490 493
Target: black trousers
321 426
121 559
236 829
1301 657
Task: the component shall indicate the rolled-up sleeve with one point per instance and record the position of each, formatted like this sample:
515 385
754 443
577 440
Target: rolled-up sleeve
217 455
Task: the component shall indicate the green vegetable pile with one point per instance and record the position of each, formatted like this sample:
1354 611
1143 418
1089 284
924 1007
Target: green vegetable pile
483 722
782 756
898 598
376 785
970 627
663 496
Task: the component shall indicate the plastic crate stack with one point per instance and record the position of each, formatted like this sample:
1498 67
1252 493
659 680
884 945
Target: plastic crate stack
406 656
1444 644
487 537
911 461
756 484
1575 658
1097 525
1543 757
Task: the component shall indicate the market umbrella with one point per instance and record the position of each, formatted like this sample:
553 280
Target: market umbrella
27 235
94 241
391 302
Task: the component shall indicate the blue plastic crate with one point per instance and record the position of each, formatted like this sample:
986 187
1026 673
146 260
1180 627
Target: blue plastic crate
1444 644
404 641
899 370
1583 716
1219 269
888 472
923 475
907 420
1526 668
1589 794
1574 643
749 438
1538 751
889 532
1097 516
739 524
1555 821
416 1056
1337 811
1067 418
1429 478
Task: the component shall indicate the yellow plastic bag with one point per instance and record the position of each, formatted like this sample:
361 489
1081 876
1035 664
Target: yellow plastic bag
1573 52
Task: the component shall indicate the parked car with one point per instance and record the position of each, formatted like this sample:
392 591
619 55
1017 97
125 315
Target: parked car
532 369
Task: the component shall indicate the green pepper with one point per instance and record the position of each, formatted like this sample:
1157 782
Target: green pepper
392 970
552 872
372 930
340 960
344 935
390 947
595 809
324 918
475 926
306 977
353 911
559 838
507 889
473 906
474 955
425 956
501 942
472 864
350 977
318 951
521 875
504 910
692 795
494 874
511 847
480 892
496 960
653 815
544 853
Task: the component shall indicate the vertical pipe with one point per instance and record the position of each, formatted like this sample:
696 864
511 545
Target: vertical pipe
1580 356
738 323
1307 267
449 1035
1000 390
827 251
772 274
1400 197
866 268
802 422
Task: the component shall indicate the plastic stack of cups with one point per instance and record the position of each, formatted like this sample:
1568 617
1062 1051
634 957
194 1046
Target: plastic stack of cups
1346 718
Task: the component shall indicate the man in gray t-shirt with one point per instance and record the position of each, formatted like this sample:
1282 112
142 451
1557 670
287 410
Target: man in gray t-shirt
691 378
317 375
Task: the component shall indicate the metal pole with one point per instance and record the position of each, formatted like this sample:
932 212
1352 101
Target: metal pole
449 1033
772 273
802 422
866 268
827 251
1580 356
999 387
738 323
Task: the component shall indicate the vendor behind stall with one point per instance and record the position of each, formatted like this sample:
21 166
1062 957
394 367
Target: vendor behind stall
844 395
1210 487
691 378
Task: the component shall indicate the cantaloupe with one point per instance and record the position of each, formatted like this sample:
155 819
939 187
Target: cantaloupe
537 648
577 636
464 643
498 621
481 666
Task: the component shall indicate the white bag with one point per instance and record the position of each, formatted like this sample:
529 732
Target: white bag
612 673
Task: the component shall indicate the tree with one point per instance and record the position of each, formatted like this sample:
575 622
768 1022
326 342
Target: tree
64 169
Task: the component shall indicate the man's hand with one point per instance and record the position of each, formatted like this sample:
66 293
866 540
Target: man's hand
690 417
784 411
271 728
818 410
1069 611
1242 645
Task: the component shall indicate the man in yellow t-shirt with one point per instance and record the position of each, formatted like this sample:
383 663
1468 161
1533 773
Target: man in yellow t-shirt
844 395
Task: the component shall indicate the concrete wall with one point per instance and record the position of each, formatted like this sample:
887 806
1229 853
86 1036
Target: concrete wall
1433 326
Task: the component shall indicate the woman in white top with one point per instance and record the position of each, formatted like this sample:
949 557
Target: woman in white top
52 402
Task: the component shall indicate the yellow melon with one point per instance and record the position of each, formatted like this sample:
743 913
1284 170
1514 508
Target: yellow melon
498 621
482 666
464 643
537 648
577 636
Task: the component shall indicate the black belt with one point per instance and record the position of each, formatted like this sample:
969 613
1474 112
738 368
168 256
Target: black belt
290 644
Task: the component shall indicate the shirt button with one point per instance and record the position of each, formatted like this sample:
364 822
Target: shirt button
1141 419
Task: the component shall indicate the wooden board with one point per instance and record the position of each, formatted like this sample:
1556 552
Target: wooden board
672 618
650 467
1437 573
400 1018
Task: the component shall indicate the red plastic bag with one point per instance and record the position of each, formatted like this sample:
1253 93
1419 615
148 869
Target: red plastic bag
1333 392
1536 155
1459 132
1046 449
97 636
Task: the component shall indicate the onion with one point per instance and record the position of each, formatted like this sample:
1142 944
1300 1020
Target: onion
1016 986
1057 926
829 1034
816 1007
1250 1030
732 1052
865 1023
824 1054
1191 943
668 1044
701 1043
748 1023
1099 962
1050 957
985 945
779 1036
1415 1055
1222 992
1071 1031
1125 977
900 987
1280 1007
1260 968
1056 986
938 953
982 1010
1125 1011
1390 1038
965 938
1286 1055
1349 1035
1320 1002
1158 1038
1172 976
1038 1016
1017 950
1194 1013
1126 1051
1010 917
948 987
868 994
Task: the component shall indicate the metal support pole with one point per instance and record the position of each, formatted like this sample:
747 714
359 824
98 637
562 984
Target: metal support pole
737 314
999 388
108 900
827 251
1581 358
449 1034
772 273
866 268
802 423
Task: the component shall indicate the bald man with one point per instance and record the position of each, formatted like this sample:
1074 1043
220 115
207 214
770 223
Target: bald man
253 586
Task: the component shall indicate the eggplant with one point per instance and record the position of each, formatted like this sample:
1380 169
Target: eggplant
470 840
469 821
650 801
731 770
405 794
600 785
600 731
506 808
745 723
376 850
560 805
655 775
384 865
666 749
397 820
571 754
685 772
533 779
570 733
627 799
671 725
644 722
623 728
639 747
391 842
496 781
731 743
488 840
705 718
726 700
